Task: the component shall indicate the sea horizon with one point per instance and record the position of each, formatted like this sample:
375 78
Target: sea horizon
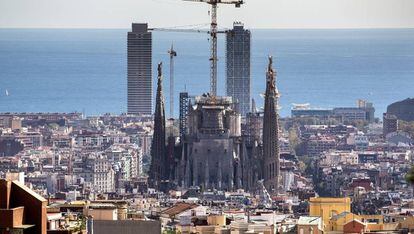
207 28
84 70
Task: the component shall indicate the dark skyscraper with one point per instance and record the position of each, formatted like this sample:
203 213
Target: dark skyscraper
389 124
139 70
158 170
238 66
271 165
184 108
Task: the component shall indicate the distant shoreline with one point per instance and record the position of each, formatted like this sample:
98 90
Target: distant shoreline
258 29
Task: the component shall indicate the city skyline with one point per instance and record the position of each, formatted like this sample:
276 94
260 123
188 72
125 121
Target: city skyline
258 14
222 167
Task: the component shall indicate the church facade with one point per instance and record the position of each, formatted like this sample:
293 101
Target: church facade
218 151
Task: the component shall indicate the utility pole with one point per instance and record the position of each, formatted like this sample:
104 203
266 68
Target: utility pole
213 38
172 54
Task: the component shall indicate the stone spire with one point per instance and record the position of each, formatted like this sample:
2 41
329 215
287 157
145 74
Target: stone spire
271 165
158 169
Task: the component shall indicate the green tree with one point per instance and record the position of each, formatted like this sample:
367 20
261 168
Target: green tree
294 139
407 127
410 176
302 167
54 126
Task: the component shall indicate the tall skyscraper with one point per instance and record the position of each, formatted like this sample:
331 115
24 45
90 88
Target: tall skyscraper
139 70
238 66
271 165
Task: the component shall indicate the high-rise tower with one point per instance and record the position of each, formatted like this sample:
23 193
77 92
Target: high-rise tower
158 169
271 165
139 70
238 66
184 108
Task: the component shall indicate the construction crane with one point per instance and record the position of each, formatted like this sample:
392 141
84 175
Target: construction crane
179 30
172 54
213 38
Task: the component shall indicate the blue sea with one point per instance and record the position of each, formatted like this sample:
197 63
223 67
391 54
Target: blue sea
63 70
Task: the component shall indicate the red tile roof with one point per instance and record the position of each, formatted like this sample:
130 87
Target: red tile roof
179 208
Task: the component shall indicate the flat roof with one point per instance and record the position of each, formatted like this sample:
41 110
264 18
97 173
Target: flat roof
309 220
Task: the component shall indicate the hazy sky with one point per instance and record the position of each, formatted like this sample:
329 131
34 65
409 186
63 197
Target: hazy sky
167 13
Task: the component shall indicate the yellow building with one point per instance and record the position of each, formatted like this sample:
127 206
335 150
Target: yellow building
337 222
216 220
376 223
407 223
328 207
337 217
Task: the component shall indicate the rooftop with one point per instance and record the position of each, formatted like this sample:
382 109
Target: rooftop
179 208
309 220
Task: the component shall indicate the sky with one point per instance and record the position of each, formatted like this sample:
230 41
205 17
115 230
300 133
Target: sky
171 13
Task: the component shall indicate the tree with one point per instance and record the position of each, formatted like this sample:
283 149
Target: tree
54 126
294 137
407 127
302 167
410 176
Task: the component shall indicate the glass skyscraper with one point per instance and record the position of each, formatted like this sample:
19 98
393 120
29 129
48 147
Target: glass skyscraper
139 70
238 66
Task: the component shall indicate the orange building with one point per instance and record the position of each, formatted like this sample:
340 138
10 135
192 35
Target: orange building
354 226
21 209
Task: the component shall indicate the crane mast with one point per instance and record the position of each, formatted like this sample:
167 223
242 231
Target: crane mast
172 54
213 58
213 38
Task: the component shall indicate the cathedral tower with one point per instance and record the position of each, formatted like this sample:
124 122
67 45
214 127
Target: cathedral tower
158 169
271 162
